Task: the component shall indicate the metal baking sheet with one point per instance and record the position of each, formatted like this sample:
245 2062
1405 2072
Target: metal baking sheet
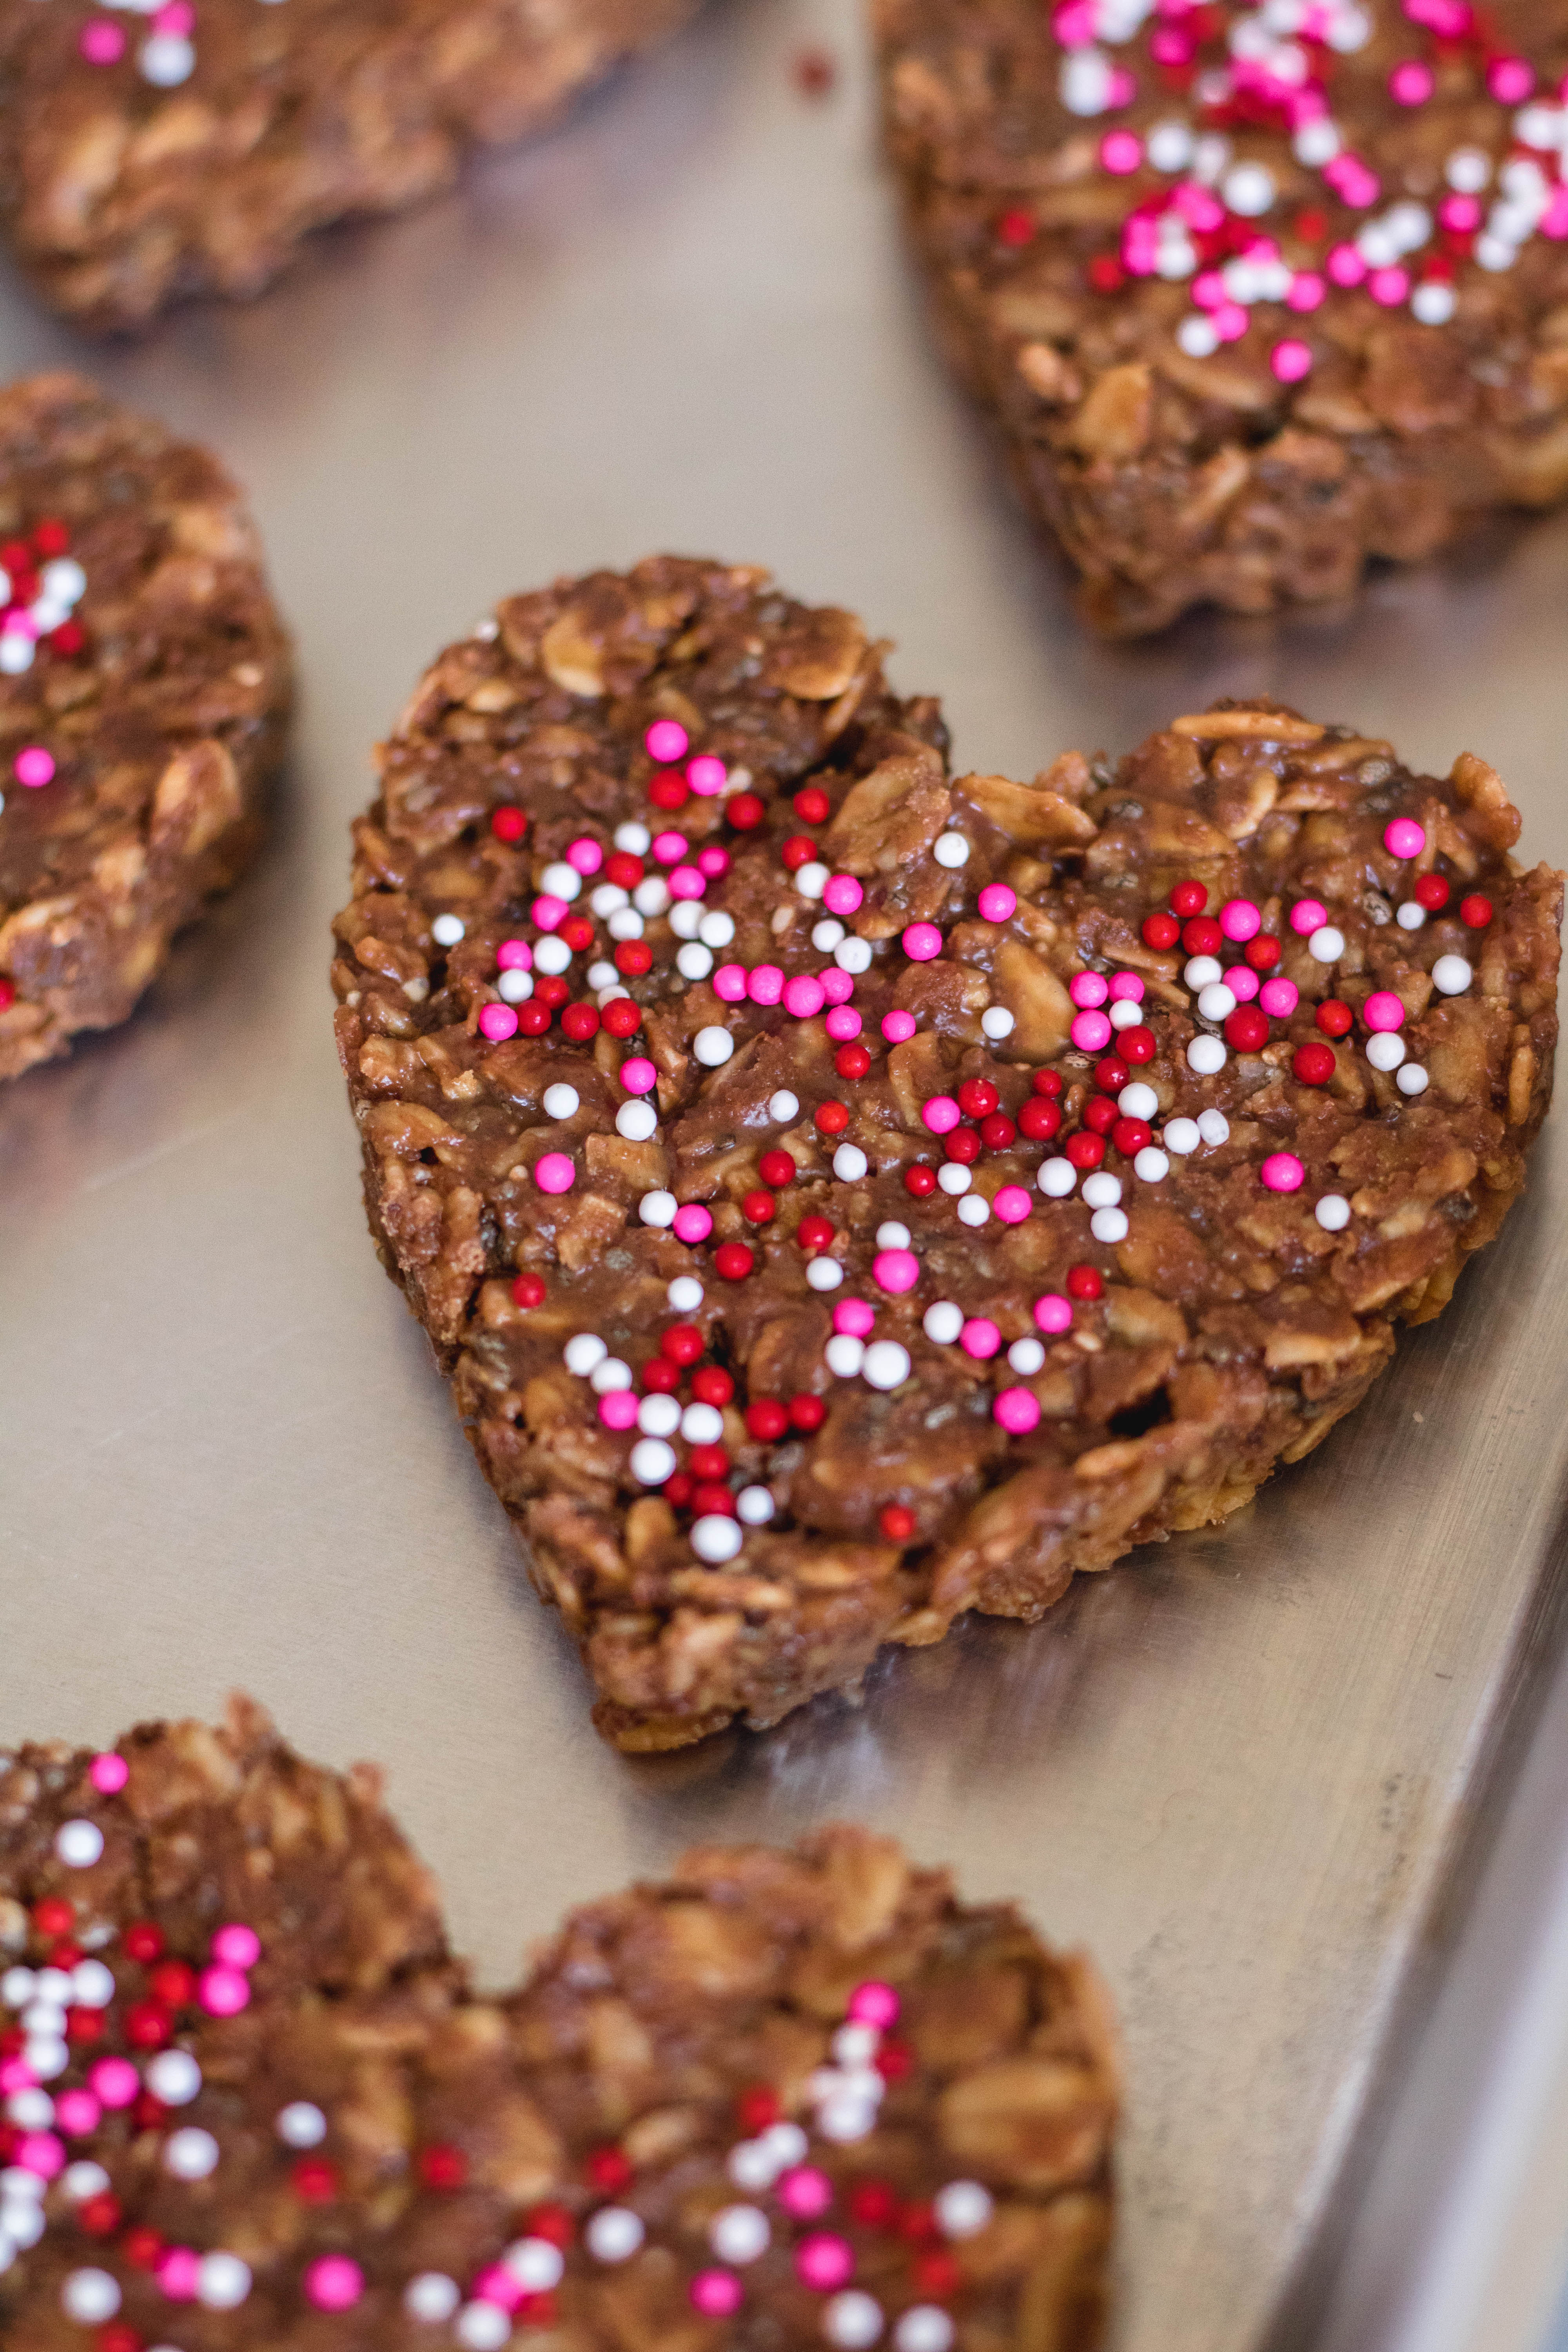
1245 1768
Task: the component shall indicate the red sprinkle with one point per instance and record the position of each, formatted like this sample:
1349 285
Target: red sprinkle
758 1207
621 1017
919 1181
777 1169
173 1983
757 2108
1085 1150
810 804
1475 911
806 1413
1432 892
99 2215
1262 952
937 2273
578 933
315 2180
115 2334
551 2222
1084 1282
551 991
441 2165
142 2248
977 1097
7 995
580 1021
766 1420
713 1385
50 537
1189 898
1014 227
528 1290
679 1488
147 2026
745 812
999 1133
874 2204
962 1145
668 792
1161 931
734 1261
1047 1082
508 824
852 1061
624 870
1247 1029
142 1942
1333 1018
683 1343
798 851
1099 1114
1112 1075
897 1524
1131 1135
609 2168
660 1377
814 1233
1040 1120
533 1020
832 1117
1313 1064
56 1916
709 1462
1201 937
1137 1045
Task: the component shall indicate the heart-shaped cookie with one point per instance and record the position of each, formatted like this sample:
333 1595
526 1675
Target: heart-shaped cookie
843 1196
143 683
1252 292
249 2100
150 151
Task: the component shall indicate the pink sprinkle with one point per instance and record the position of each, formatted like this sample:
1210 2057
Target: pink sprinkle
1403 837
837 986
693 1223
941 1114
1382 1010
1240 920
921 942
899 1027
498 1022
856 1316
618 1409
1345 266
824 2262
1230 322
1307 915
714 859
1241 980
108 1773
844 1023
805 2192
32 766
730 983
178 2272
1279 998
1120 151
41 2153
1283 1171
1412 83
102 44
1012 1204
224 1992
1554 221
498 2285
554 1173
1461 214
842 895
705 775
1510 80
687 882
1291 360
236 1946
980 1338
874 2003
895 1270
1208 290
764 983
1090 1031
715 2294
333 2282
997 902
175 16
15 2075
78 2113
1307 292
665 740
804 996
1389 287
1126 988
1019 1411
514 955
585 856
637 1075
115 2082
1087 989
1053 1312
669 845
547 910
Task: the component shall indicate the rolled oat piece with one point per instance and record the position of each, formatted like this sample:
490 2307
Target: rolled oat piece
842 1194
145 681
1252 296
803 2096
149 155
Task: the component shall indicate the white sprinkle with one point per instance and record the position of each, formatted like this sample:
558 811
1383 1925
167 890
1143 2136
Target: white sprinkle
34 2110
584 1353
608 899
90 2296
561 880
1108 1224
191 2154
1200 972
950 849
702 1425
974 1210
432 2297
824 1274
1326 944
78 1844
825 935
535 2263
755 1506
15 653
856 2045
1214 1127
1451 975
1181 1136
1102 1191
1386 1051
849 1163
686 918
783 1106
1025 1357
1249 190
81 2181
656 1208
716 928
1434 303
751 2166
47 2057
174 2076
625 923
953 1177
17 1987
1170 146
786 2142
852 2320
695 961
685 1294
612 1375
845 1355
447 929
1198 336
962 2209
514 987
1137 1100
18 2188
223 2281
612 2233
924 2328
716 1538
846 2118
1151 1165
1412 1079
166 60
893 1235
853 955
652 1461
1468 169
300 2124
811 879
562 1101
740 2233
1411 915
942 1322
887 1365
1332 1212
996 1022
483 2328
93 1987
1057 1177
651 895
636 1121
1207 1056
1217 1001
64 580
551 955
658 1415
635 838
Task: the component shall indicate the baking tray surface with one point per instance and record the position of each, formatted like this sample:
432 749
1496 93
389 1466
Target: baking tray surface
1243 1766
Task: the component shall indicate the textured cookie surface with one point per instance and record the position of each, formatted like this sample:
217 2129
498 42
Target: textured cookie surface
144 679
800 2098
842 1195
150 154
1253 293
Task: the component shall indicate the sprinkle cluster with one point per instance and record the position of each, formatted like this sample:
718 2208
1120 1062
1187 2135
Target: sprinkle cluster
165 56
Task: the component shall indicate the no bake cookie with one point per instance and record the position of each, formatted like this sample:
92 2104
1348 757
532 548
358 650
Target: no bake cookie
1253 293
143 683
150 151
247 2098
842 1195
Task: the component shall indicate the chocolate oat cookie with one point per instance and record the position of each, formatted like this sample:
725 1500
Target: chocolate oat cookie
841 1195
1252 293
144 681
250 2101
148 152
